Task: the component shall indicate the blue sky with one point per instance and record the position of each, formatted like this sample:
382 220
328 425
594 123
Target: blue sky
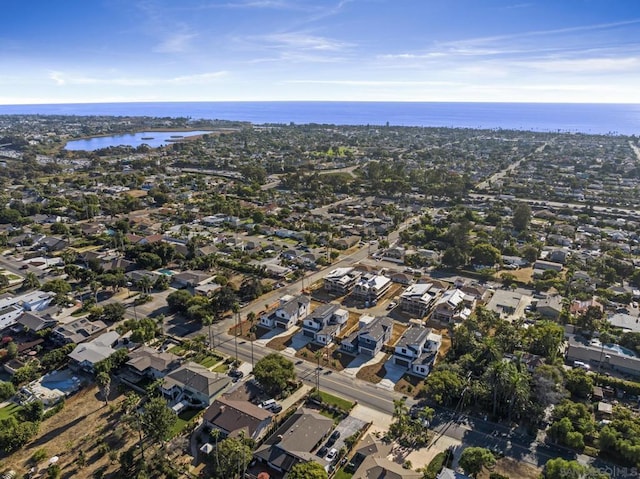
366 50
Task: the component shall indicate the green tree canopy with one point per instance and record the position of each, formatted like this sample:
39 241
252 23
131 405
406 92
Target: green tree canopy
307 470
274 372
521 216
559 468
157 419
473 459
234 455
444 386
545 338
579 383
484 253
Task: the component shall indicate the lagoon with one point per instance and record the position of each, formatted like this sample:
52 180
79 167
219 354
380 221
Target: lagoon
154 139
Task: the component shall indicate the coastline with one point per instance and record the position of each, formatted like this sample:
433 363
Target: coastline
587 118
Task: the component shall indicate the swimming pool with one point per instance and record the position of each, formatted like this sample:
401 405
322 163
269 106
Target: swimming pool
166 272
616 348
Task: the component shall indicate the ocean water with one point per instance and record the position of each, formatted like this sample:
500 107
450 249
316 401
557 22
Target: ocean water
617 119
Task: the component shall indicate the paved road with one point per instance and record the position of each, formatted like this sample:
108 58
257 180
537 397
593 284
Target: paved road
336 383
469 430
509 169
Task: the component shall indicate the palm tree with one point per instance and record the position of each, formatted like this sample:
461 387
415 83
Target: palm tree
236 311
251 317
30 281
95 287
145 284
208 321
104 382
215 433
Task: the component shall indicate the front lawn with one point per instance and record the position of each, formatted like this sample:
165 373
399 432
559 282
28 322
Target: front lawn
336 401
342 474
207 360
183 419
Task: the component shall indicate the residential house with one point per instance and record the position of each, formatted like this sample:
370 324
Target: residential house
417 298
30 321
578 307
374 467
77 331
417 350
402 278
191 279
51 244
290 310
515 261
295 440
395 254
369 339
232 417
451 307
193 384
371 287
325 323
624 321
372 463
540 266
530 361
550 307
207 289
347 242
36 300
446 473
146 362
341 281
370 446
9 315
505 303
559 255
86 355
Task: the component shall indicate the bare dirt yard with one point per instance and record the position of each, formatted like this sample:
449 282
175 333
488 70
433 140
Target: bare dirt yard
512 468
81 436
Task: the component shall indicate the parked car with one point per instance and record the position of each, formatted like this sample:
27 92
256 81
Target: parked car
332 454
332 439
322 451
268 404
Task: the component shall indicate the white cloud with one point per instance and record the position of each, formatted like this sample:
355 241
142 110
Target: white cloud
175 43
62 79
585 65
302 41
376 83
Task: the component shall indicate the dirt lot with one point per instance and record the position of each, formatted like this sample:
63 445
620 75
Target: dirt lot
522 275
512 468
84 424
281 342
374 373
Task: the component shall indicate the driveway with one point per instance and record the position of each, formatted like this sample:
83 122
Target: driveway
274 333
361 361
298 341
394 373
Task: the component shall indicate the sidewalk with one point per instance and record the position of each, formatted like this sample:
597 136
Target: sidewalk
297 396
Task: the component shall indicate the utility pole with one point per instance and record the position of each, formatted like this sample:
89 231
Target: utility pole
235 336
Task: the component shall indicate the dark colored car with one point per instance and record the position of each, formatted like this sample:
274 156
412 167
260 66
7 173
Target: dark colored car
322 451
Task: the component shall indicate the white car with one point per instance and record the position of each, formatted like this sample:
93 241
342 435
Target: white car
332 454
